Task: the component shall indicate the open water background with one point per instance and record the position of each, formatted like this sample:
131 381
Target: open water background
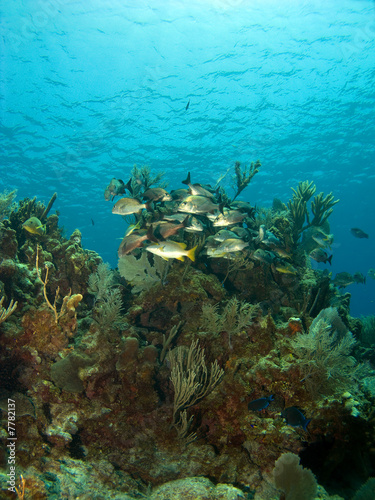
90 88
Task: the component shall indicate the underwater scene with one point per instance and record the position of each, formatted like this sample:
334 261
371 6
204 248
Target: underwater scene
187 257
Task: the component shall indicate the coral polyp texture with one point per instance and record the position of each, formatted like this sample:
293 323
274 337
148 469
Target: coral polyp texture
207 365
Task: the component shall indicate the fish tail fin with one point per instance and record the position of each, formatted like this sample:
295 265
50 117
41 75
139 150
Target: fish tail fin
150 234
306 423
191 253
185 222
330 259
128 186
187 180
149 206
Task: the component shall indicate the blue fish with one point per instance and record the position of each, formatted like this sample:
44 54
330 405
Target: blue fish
260 404
294 417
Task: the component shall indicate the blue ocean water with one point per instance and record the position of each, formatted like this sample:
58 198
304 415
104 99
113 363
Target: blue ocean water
90 88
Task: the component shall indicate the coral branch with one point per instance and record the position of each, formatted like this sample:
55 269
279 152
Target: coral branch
49 206
20 489
69 302
5 313
243 177
321 207
167 340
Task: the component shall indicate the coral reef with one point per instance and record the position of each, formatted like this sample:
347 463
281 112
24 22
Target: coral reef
132 383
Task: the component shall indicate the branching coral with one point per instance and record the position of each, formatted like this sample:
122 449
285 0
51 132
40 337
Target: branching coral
243 177
321 207
70 302
5 313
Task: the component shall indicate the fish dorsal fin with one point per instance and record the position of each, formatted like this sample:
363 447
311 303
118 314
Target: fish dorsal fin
181 245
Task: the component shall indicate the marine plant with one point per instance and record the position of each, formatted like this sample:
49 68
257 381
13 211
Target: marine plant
142 179
101 281
296 482
234 317
6 202
241 262
366 491
140 273
192 381
107 311
367 335
324 355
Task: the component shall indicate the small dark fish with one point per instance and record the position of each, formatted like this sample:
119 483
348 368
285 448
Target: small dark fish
343 279
263 256
321 256
358 233
285 268
187 105
179 194
359 278
135 240
267 237
164 229
294 417
260 404
156 194
92 222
